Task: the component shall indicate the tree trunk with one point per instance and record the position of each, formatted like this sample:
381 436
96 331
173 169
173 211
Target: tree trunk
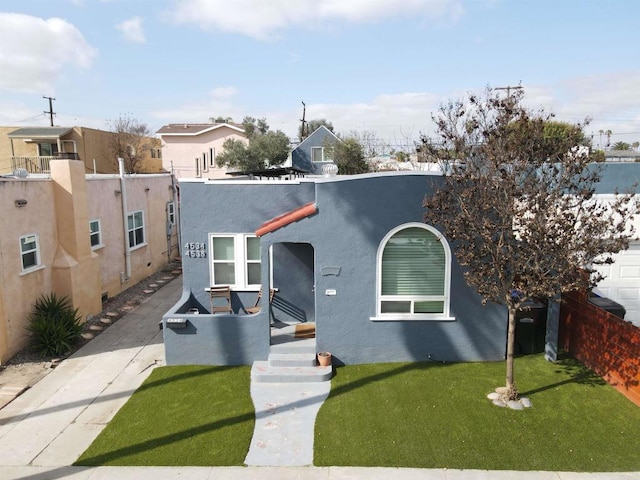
512 392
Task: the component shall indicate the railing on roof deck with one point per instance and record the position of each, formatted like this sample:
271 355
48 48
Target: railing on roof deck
39 164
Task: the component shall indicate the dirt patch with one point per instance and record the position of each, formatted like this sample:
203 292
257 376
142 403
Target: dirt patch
27 367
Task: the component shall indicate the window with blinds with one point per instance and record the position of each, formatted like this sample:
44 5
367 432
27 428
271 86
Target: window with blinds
414 273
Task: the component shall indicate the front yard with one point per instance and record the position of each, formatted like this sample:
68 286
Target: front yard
424 415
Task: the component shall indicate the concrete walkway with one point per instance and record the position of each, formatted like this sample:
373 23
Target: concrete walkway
45 429
285 420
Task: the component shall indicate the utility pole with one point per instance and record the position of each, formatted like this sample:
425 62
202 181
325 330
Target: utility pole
304 111
508 88
50 112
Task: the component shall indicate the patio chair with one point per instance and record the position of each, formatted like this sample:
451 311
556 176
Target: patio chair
256 308
220 300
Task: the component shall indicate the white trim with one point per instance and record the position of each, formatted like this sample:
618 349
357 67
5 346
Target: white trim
240 263
446 298
99 233
200 132
399 317
33 269
144 233
321 154
311 135
38 265
212 157
171 216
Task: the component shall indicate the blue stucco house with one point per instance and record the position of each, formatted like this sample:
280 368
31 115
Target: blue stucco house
350 254
311 154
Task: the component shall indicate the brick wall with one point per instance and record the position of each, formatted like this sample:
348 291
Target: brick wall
603 342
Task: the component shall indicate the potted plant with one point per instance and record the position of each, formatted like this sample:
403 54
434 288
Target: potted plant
324 359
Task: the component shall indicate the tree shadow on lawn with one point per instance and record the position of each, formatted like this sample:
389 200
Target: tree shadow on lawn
119 454
114 456
578 373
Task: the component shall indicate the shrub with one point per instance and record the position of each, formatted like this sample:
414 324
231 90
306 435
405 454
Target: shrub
54 325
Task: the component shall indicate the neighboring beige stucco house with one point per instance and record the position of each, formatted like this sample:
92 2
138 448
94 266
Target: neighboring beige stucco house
190 150
69 233
33 147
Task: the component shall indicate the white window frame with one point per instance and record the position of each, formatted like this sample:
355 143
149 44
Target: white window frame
98 233
212 158
35 250
321 154
134 229
171 213
240 261
446 298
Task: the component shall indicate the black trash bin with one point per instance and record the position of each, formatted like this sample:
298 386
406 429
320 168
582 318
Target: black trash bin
531 327
608 305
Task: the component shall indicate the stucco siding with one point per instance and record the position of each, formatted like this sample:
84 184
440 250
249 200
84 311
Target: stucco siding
146 259
354 215
58 212
179 153
301 155
19 290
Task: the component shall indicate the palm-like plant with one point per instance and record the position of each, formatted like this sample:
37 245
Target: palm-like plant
54 325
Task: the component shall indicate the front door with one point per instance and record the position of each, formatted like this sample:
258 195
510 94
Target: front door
293 278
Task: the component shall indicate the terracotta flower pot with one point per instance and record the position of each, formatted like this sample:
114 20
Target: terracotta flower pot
324 359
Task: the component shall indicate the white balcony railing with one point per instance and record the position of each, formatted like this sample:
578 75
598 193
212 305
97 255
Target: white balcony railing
39 164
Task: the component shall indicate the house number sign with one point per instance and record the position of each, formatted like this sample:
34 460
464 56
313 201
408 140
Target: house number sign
195 250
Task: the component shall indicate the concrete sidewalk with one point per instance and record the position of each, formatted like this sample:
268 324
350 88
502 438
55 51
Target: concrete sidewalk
45 429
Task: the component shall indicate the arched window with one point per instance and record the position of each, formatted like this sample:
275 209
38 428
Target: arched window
414 274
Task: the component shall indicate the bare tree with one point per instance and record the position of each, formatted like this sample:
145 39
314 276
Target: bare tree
519 205
130 140
372 146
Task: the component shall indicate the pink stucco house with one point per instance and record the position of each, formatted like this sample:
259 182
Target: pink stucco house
190 150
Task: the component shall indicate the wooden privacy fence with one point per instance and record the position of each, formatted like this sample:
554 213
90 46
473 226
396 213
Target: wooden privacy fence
603 342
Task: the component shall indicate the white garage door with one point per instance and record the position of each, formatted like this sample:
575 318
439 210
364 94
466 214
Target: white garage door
622 282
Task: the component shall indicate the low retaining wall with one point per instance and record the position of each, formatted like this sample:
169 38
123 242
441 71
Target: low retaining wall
603 342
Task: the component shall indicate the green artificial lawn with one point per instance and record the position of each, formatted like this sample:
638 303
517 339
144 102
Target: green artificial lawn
431 415
183 415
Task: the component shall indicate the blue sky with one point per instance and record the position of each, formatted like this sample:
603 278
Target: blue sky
382 66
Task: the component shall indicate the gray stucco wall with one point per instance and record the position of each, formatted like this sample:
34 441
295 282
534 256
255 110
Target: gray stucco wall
353 217
354 214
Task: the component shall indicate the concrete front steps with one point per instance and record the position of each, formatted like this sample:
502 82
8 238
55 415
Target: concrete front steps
293 362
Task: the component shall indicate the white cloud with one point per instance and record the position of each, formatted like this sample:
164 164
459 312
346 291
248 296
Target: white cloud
610 100
221 93
34 52
132 30
218 104
398 119
262 20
